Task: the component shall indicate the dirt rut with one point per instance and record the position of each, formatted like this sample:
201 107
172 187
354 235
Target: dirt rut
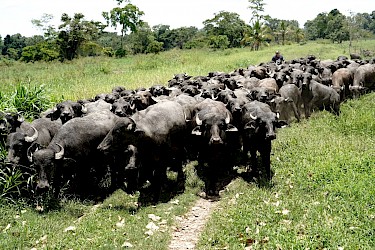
190 225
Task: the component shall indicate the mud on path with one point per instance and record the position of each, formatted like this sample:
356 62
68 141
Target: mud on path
190 225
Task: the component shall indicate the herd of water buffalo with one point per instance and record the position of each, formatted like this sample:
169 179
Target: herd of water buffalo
127 138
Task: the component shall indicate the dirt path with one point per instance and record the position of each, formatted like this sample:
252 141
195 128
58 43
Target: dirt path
189 227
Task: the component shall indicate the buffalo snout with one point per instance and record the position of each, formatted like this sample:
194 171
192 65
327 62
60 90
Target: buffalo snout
216 140
42 186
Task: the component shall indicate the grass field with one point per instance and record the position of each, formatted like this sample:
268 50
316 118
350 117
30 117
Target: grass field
322 195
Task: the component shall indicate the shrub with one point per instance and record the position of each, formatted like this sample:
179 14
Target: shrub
120 53
30 101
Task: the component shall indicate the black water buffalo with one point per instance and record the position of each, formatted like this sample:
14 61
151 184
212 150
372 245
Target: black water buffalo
142 99
215 141
39 132
318 96
355 56
158 90
72 154
158 133
289 100
9 122
257 132
122 108
67 110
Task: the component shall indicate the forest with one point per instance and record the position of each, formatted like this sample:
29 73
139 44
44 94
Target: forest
77 37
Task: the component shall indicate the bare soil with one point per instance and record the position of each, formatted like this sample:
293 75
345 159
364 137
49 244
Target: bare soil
186 234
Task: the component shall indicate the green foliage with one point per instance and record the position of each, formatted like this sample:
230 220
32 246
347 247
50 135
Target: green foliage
29 100
10 182
226 24
154 47
73 32
108 51
128 17
41 52
90 49
120 52
12 46
219 42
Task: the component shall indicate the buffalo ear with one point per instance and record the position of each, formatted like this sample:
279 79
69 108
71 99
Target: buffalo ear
281 124
55 114
196 131
231 128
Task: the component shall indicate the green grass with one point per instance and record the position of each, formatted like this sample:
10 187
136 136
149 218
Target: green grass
86 77
322 194
107 225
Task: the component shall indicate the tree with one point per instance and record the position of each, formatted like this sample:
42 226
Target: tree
181 36
128 17
13 46
226 24
219 42
257 7
1 44
74 32
317 28
337 29
163 34
256 36
138 41
43 24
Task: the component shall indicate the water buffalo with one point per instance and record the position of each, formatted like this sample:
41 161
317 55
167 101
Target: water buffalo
289 100
142 99
257 132
158 133
364 79
67 110
72 154
341 80
9 122
318 96
40 131
122 108
215 141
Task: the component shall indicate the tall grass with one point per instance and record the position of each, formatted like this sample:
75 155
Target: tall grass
86 77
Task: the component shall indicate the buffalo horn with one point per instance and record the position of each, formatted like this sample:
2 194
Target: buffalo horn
59 155
84 109
227 119
33 137
197 120
253 117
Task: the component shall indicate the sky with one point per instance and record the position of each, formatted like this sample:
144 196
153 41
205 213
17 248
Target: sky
16 15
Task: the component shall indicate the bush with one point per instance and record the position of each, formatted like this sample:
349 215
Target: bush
30 101
120 53
219 42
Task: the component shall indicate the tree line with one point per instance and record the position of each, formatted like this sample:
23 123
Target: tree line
76 36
